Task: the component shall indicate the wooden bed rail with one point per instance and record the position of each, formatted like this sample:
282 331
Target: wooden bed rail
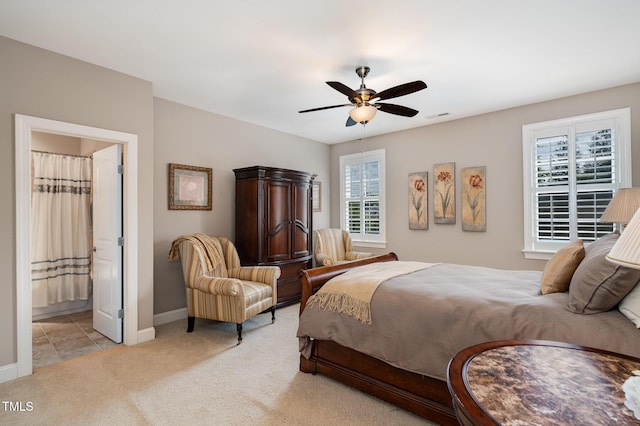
313 279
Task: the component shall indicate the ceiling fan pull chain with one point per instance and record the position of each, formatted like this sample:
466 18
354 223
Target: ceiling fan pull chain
363 140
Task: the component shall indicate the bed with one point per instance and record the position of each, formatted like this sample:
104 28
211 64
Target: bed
420 320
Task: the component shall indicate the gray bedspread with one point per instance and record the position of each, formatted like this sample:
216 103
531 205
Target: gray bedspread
421 320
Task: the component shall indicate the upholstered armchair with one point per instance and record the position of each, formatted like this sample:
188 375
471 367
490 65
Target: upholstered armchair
334 246
218 288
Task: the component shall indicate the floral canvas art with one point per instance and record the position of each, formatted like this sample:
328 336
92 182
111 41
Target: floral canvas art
444 193
418 200
473 199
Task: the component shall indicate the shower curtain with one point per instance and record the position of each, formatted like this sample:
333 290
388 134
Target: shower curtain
61 229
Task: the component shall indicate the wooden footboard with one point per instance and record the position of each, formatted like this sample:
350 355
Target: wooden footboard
419 394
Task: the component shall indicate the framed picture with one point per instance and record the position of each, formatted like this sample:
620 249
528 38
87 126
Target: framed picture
418 200
473 199
189 187
316 196
444 193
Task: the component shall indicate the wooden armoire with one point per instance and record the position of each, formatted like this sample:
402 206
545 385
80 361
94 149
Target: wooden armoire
274 223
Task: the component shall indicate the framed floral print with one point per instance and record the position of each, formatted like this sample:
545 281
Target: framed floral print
418 200
189 187
473 199
444 193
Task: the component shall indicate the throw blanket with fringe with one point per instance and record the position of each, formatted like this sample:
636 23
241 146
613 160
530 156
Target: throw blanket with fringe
204 246
350 293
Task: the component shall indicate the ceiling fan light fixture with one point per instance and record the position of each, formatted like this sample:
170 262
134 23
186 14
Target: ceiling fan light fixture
363 113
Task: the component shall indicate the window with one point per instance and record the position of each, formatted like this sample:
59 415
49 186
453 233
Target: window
572 167
362 197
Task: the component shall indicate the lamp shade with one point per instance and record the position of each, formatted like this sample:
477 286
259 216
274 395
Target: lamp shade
626 251
363 113
624 204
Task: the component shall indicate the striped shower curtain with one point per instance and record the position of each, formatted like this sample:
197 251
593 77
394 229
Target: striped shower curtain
60 224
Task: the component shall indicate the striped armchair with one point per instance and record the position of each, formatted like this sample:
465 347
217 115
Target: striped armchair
335 246
218 288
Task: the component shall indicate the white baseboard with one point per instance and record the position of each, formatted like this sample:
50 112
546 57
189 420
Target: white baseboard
146 335
170 316
8 372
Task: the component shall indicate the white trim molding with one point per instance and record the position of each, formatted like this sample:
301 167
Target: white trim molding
619 121
24 126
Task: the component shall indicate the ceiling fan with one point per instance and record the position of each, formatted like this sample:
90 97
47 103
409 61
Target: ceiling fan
364 109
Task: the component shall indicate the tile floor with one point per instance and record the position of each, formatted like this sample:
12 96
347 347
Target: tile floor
64 337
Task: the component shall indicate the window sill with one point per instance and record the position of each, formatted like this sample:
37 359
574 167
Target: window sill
370 244
538 255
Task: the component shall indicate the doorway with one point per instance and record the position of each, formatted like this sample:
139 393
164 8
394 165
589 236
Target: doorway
76 259
24 126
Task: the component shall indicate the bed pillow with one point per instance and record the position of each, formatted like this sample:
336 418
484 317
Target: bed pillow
598 285
630 306
558 271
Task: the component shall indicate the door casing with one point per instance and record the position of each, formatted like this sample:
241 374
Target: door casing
24 126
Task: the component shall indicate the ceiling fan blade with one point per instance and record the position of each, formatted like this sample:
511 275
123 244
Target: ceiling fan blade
397 109
401 90
344 89
326 107
350 122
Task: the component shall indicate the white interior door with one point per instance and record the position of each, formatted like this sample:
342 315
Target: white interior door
107 242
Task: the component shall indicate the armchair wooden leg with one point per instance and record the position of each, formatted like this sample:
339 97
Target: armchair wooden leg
273 314
239 328
190 323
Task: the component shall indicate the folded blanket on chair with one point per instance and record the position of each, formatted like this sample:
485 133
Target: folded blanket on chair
208 251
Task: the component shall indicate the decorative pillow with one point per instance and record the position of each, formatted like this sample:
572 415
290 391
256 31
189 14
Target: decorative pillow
598 285
630 306
558 271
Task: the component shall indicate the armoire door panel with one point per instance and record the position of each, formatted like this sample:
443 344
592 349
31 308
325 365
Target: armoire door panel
278 228
301 229
249 222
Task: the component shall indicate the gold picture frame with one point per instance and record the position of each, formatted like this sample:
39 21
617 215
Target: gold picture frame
189 187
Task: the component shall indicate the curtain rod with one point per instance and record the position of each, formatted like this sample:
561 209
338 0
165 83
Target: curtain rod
59 153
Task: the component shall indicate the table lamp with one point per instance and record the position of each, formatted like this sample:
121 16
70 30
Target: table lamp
626 250
624 204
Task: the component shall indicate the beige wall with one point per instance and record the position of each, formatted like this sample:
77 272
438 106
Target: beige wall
44 84
194 137
493 140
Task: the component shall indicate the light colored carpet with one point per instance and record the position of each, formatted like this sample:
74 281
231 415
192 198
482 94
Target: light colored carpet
196 378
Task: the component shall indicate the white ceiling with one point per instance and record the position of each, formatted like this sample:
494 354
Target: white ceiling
262 61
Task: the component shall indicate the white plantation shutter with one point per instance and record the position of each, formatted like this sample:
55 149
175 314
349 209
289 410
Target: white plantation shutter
552 187
572 167
362 197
